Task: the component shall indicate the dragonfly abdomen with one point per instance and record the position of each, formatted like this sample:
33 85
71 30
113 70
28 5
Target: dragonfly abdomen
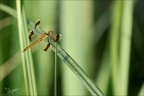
40 39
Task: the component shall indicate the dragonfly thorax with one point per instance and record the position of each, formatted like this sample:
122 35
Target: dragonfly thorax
50 33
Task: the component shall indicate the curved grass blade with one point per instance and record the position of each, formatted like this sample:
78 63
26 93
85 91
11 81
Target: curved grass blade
8 10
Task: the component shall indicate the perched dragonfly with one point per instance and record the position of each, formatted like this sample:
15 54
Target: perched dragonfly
50 36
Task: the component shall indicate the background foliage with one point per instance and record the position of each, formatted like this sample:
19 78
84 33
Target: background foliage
106 38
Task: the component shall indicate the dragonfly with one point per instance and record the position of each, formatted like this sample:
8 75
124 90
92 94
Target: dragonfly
50 36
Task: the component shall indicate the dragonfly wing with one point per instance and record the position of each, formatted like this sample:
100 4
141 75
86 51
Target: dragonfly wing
43 45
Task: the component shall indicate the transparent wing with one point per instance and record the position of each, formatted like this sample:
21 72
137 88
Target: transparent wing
44 45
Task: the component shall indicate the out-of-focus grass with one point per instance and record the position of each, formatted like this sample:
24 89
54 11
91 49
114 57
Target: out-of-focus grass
114 44
125 45
28 69
77 41
94 34
30 80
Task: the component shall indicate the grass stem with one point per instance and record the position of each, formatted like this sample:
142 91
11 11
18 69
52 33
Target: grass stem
55 71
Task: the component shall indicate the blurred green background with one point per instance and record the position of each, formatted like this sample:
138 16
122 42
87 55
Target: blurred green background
106 38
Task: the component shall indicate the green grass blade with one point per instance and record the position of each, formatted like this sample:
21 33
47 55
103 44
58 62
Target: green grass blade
8 10
27 63
55 72
141 92
114 45
65 57
78 71
104 72
89 84
125 45
14 61
20 29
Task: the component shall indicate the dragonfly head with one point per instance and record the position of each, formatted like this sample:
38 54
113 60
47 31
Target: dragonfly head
53 37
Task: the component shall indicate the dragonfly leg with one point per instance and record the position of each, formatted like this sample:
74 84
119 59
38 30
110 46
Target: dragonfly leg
48 45
37 23
30 36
